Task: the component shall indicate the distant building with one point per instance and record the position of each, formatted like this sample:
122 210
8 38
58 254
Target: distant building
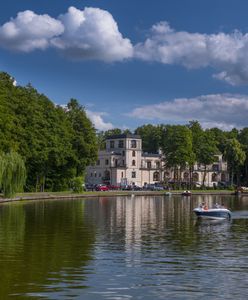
124 163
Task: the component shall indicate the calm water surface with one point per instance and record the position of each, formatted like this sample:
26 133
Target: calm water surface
123 248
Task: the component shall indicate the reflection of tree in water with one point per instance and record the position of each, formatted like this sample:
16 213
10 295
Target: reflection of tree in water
43 243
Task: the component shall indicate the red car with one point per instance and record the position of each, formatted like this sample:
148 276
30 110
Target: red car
101 187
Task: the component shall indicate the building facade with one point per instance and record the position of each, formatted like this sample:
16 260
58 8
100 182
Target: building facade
124 163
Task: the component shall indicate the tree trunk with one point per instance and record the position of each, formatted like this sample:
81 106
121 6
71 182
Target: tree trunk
204 176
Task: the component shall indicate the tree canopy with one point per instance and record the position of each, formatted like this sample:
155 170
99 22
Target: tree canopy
56 143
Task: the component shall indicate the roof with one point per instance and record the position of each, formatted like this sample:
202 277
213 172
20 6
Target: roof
123 136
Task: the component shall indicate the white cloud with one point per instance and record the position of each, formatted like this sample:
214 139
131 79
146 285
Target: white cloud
29 31
92 34
227 53
97 119
221 110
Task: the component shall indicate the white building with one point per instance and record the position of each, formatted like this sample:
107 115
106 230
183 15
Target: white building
124 163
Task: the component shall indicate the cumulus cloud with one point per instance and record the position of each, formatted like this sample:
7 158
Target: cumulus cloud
221 110
97 119
227 53
29 31
91 33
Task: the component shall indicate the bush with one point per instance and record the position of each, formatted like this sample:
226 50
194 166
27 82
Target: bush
77 184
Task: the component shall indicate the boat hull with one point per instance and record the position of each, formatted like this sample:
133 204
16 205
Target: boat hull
218 213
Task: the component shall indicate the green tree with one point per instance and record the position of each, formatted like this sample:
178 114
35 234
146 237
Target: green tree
243 139
206 152
151 137
12 174
84 141
235 156
176 144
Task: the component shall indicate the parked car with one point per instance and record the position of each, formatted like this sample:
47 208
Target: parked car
102 187
153 187
89 187
113 187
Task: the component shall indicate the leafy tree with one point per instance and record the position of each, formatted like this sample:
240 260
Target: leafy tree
84 142
235 157
55 143
207 149
12 174
176 144
151 136
243 139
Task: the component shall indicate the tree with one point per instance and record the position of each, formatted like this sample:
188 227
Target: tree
235 157
176 144
243 139
206 150
84 141
151 136
12 174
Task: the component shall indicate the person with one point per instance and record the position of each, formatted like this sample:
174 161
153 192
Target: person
216 205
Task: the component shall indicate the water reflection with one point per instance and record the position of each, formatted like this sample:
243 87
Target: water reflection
121 248
42 245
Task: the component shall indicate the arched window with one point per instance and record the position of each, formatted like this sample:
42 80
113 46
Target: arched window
156 176
133 154
133 162
214 177
166 175
195 177
185 175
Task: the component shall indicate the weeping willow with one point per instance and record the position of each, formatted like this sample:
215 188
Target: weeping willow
12 174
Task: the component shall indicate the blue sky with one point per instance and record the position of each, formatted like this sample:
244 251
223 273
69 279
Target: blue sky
133 62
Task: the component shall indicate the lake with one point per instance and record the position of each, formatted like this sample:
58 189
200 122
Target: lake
137 247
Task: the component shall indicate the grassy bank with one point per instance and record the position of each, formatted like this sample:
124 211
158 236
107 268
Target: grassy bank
90 194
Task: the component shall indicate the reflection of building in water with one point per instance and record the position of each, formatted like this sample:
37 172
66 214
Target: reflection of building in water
144 216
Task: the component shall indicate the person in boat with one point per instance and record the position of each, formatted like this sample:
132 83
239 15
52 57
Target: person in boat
216 205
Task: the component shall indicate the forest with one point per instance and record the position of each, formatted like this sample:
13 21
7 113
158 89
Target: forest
55 143
46 147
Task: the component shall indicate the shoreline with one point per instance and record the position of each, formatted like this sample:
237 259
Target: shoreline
65 195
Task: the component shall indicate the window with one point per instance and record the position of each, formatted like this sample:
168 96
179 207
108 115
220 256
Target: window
100 175
98 162
121 144
133 162
215 168
133 174
223 177
156 176
106 162
157 164
91 175
133 154
149 165
195 177
112 144
123 153
185 175
122 174
95 174
214 177
123 162
133 143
